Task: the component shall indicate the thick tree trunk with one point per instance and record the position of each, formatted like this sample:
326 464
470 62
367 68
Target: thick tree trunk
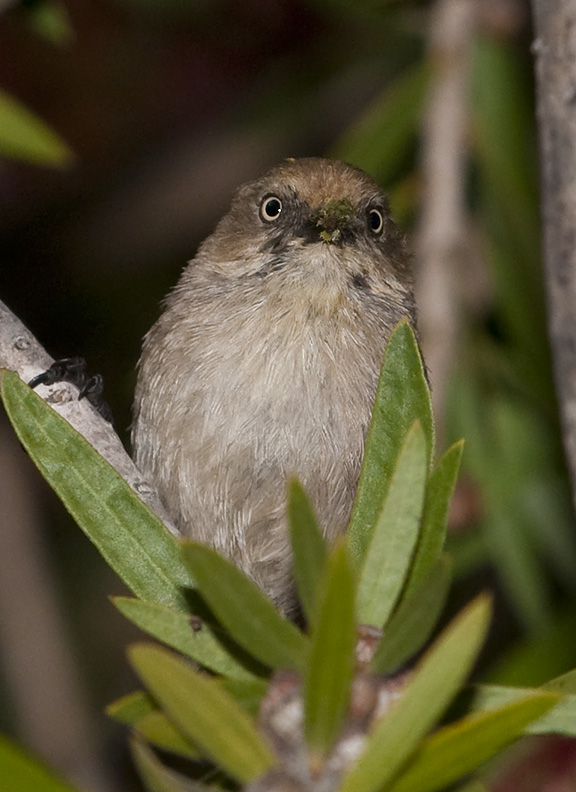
555 53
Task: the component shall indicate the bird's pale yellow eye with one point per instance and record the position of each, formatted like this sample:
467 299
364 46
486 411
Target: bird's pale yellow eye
270 208
375 221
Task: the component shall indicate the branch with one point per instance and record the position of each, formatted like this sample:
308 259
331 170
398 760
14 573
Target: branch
21 352
555 51
441 237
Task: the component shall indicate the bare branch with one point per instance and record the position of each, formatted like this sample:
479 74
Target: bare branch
555 51
441 238
21 352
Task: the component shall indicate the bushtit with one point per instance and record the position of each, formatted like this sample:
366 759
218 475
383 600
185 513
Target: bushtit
266 359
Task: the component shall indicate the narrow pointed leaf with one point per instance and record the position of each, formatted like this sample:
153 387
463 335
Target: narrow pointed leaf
141 712
132 540
436 680
389 553
204 712
22 773
561 719
462 747
402 398
23 135
131 707
248 693
157 729
174 628
506 468
158 778
249 616
413 621
332 660
439 491
308 546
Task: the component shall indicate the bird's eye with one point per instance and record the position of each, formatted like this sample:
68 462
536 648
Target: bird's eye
375 221
270 208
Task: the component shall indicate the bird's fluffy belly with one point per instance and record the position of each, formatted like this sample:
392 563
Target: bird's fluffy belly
247 425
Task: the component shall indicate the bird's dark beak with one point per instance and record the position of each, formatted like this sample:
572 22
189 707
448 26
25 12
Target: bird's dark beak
333 219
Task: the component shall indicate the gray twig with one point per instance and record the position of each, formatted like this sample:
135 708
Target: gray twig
555 53
21 352
441 237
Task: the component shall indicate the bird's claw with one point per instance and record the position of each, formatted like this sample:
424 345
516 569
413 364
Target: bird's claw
73 370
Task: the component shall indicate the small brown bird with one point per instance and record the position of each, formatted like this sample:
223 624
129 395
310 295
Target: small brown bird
266 359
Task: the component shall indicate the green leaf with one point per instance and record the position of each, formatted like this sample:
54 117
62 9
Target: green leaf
23 135
563 684
414 619
161 732
462 747
175 629
506 534
158 778
131 707
395 534
402 398
502 457
248 693
332 659
505 145
475 785
385 135
512 464
204 712
439 491
436 680
547 509
50 19
534 661
561 719
22 773
134 542
249 616
140 711
428 583
308 546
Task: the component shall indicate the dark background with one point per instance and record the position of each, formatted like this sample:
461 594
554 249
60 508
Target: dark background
168 107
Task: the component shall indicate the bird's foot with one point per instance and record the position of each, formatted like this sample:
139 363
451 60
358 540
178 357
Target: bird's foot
73 370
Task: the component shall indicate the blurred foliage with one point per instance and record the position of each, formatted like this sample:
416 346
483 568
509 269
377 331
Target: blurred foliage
394 547
21 773
132 85
49 18
503 396
23 135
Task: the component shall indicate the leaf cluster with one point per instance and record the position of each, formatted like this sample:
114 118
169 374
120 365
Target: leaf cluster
387 578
